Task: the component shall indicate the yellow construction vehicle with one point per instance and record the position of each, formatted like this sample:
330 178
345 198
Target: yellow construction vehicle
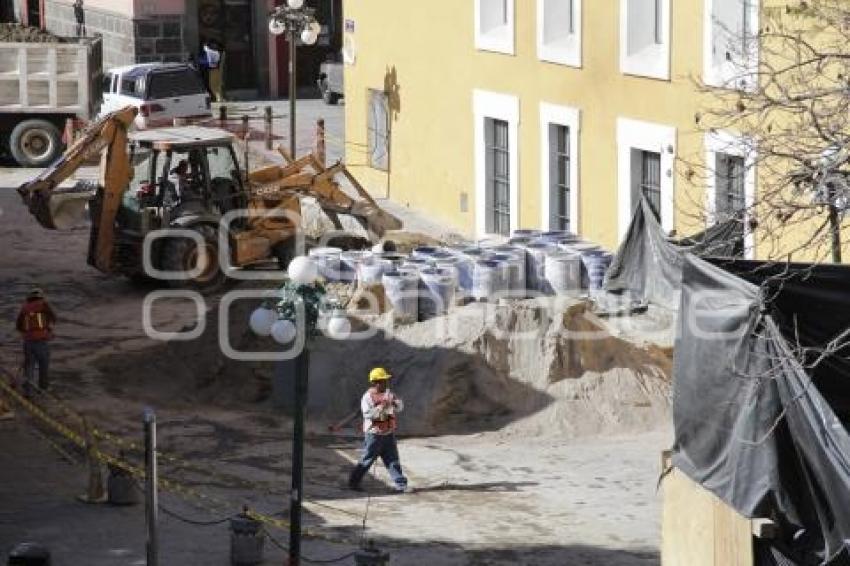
164 191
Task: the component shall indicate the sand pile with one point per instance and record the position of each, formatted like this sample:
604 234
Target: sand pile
524 368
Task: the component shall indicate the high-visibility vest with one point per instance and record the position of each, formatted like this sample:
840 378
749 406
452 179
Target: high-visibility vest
387 425
35 321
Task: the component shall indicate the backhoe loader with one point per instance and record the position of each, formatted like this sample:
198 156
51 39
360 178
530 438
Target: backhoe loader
183 186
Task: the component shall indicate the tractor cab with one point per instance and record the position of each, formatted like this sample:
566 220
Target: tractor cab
186 170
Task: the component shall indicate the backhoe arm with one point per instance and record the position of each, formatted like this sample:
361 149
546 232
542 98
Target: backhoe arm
306 176
107 137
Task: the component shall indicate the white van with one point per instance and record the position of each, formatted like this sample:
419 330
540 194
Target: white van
161 92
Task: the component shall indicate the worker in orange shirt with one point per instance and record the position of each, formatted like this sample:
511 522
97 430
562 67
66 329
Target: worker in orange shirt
379 407
36 322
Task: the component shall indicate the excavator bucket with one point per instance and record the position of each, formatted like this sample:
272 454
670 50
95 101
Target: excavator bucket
68 208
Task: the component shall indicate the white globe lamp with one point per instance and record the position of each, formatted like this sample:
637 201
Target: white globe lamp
261 321
276 27
308 38
303 271
339 327
295 4
283 331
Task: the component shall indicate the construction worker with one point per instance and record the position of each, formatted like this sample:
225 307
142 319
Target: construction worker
379 407
35 323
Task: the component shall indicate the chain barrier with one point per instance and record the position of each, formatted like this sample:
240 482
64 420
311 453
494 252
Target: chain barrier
167 485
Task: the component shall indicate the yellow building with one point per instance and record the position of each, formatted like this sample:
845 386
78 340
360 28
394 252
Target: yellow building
494 115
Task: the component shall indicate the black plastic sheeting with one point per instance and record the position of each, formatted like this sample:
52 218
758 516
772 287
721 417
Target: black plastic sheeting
750 423
649 264
761 399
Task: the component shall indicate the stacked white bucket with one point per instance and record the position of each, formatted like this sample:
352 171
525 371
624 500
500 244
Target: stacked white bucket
433 279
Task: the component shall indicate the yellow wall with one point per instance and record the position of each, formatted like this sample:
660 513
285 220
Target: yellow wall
430 46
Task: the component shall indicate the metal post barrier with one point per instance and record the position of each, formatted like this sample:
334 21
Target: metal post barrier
268 118
293 88
369 555
222 116
95 493
151 499
321 146
301 367
246 136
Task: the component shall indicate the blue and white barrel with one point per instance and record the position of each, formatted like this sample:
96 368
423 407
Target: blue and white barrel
369 271
555 236
452 263
526 233
327 262
436 292
535 266
469 257
416 263
401 287
391 260
349 262
512 269
424 252
596 263
564 272
486 279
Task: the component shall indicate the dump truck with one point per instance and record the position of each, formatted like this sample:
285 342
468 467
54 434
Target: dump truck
174 203
43 84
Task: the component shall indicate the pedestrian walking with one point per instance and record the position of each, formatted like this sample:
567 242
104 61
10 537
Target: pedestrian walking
213 58
36 322
379 407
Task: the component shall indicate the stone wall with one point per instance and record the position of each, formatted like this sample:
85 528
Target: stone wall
154 38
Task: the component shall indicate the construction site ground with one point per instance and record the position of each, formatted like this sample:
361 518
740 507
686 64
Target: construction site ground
484 497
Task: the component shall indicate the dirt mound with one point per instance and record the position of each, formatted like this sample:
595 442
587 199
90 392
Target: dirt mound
17 33
524 368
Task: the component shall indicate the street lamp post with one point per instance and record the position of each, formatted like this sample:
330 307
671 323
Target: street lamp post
303 295
295 20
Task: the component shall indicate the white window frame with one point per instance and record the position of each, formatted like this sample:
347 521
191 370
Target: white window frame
500 40
730 143
566 53
571 118
486 104
645 136
654 60
722 75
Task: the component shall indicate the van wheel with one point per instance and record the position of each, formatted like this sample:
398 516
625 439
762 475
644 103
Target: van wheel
328 96
35 143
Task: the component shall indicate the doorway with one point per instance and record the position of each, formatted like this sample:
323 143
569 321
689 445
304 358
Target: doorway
230 24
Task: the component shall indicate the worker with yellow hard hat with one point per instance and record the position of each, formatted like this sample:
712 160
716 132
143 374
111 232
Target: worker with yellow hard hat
379 407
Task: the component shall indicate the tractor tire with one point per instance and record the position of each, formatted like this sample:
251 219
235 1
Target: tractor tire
35 143
181 254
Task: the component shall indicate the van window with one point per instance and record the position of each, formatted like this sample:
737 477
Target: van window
133 86
176 83
107 83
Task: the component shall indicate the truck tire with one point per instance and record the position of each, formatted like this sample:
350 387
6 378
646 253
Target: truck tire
181 254
328 96
35 143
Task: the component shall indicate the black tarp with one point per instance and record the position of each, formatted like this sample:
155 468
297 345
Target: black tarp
761 399
751 424
649 264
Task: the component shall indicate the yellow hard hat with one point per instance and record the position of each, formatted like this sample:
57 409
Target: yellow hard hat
378 374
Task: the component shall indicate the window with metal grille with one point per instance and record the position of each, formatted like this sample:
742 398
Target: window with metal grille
498 177
378 129
730 175
650 180
559 177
